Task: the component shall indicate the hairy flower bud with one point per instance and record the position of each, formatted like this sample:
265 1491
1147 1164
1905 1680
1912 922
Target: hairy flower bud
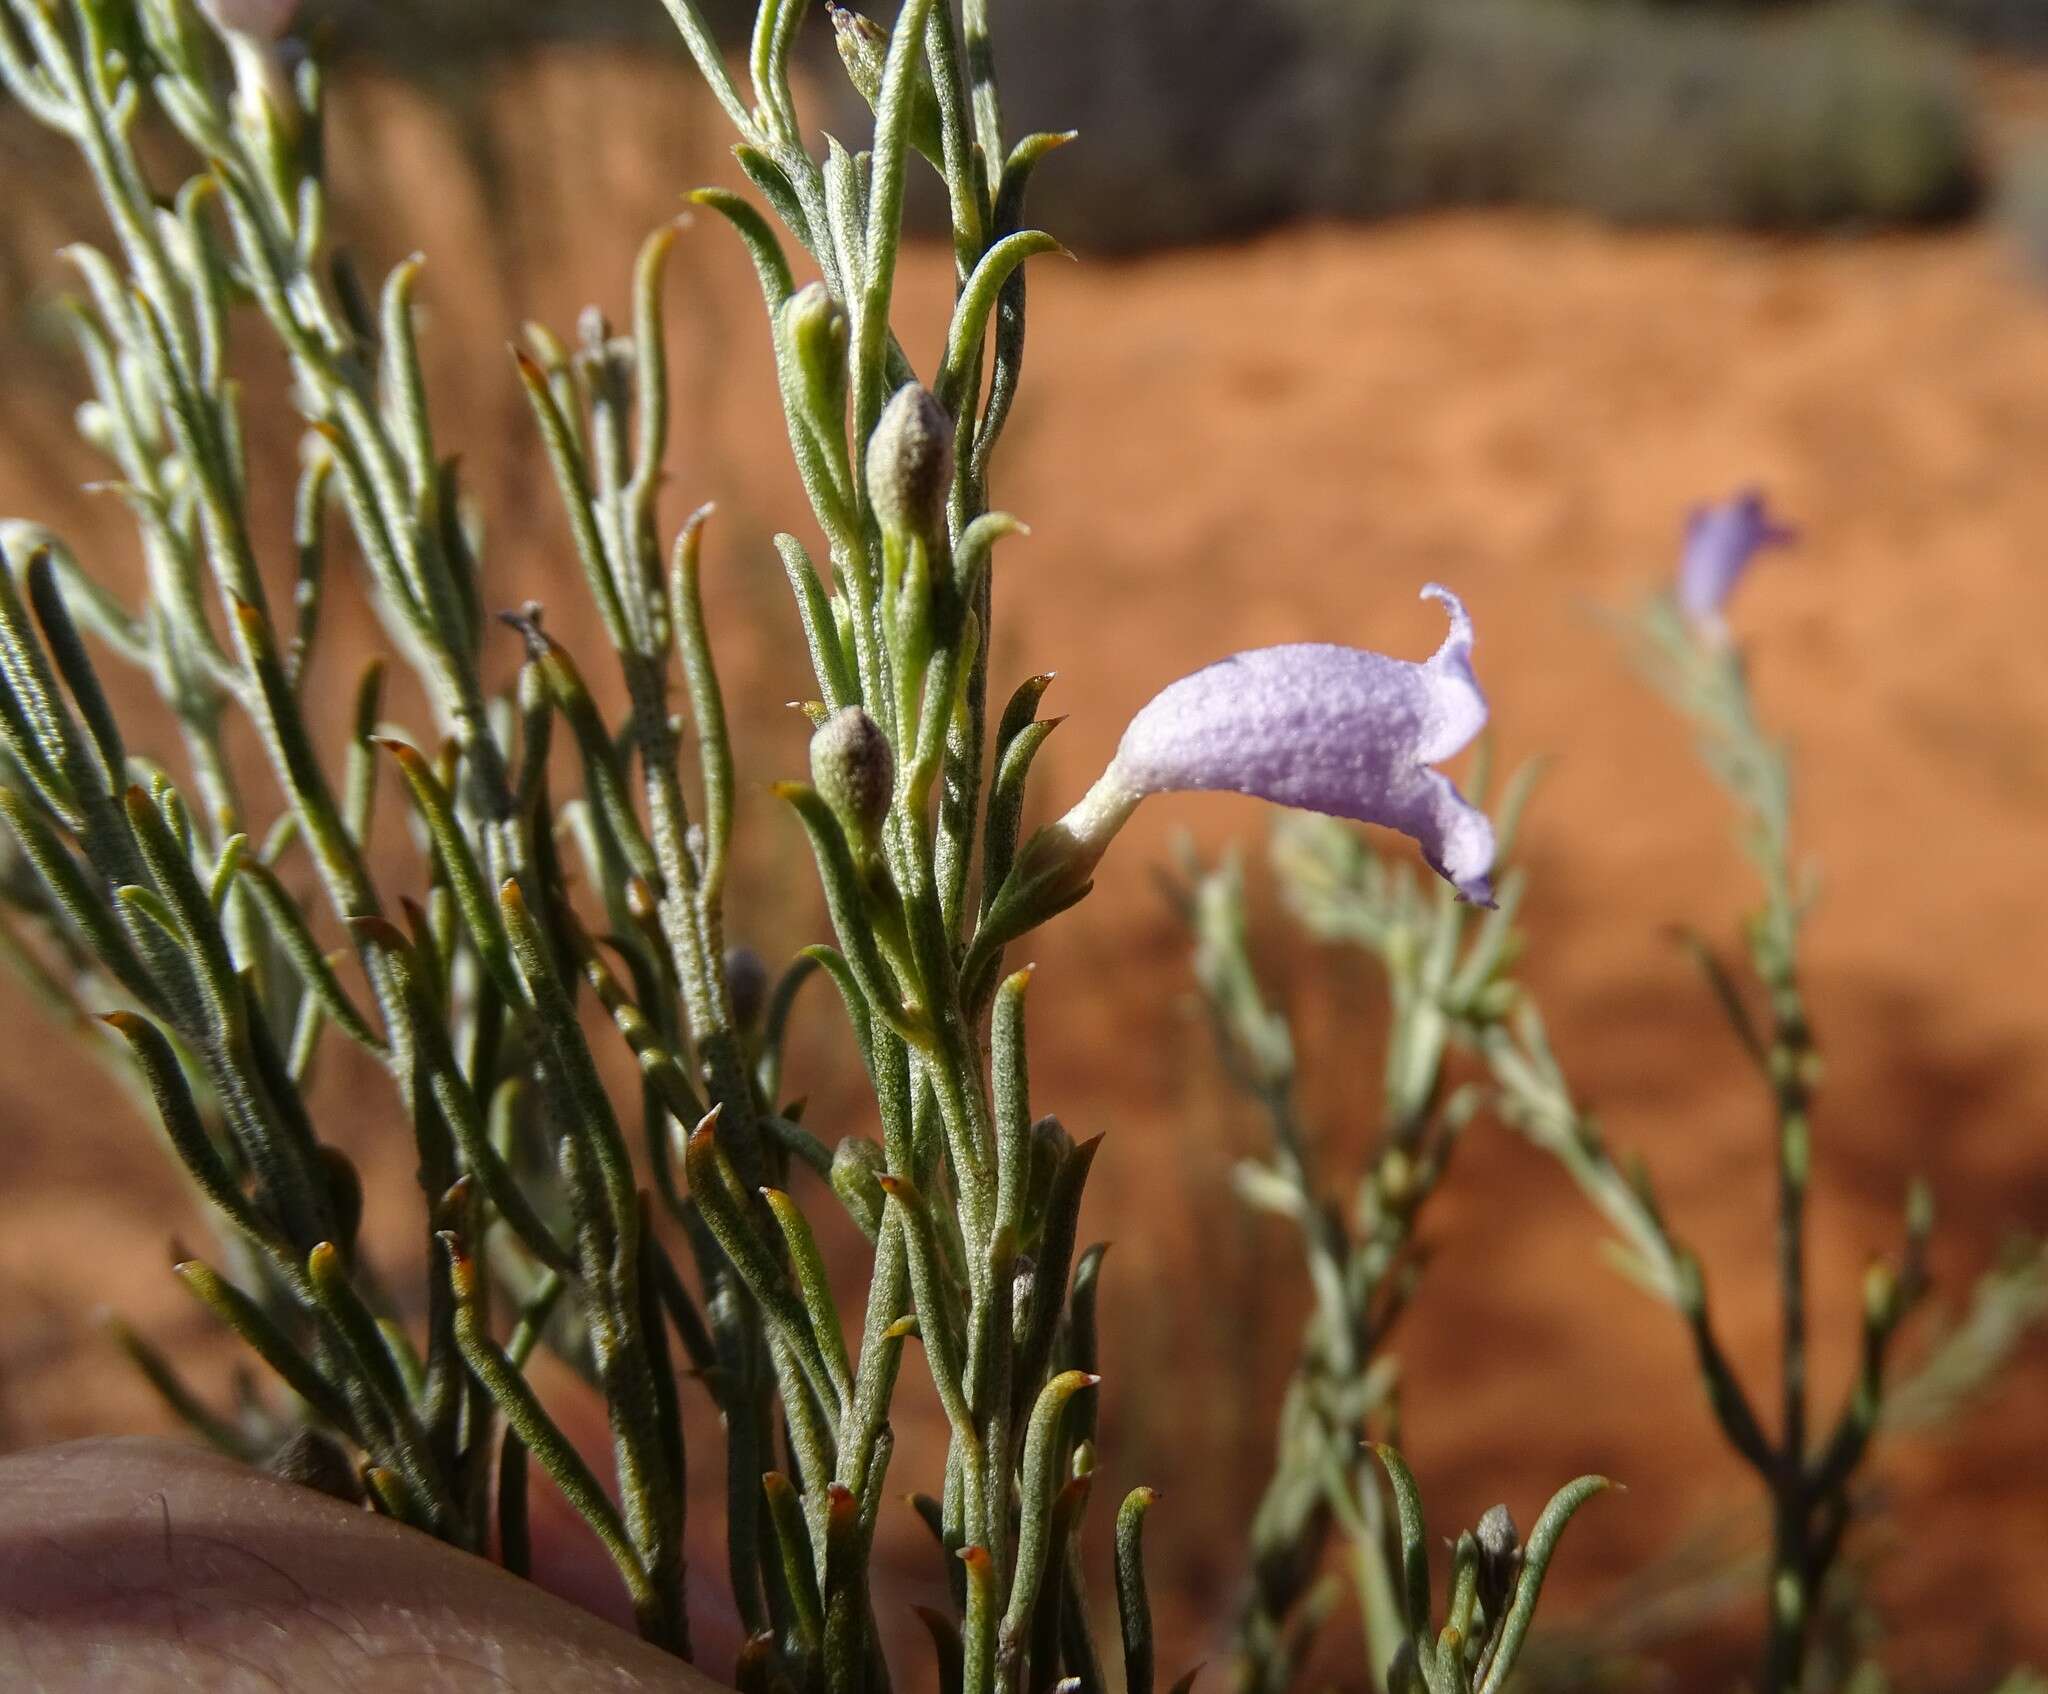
864 49
910 464
1500 1557
854 770
317 1461
1395 1180
816 327
746 985
863 46
857 1165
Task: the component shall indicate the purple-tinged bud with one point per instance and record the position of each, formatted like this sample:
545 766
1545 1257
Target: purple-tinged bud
318 1462
1500 1559
864 47
853 769
746 985
910 464
1329 729
1720 543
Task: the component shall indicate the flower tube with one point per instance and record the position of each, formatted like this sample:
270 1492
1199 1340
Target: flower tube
1721 542
1338 730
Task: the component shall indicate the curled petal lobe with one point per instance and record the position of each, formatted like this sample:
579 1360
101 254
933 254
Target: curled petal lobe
1330 729
1721 542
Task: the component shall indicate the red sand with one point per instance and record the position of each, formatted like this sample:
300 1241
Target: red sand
1283 441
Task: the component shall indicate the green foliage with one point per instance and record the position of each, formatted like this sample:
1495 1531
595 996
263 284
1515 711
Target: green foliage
217 919
1446 968
1452 989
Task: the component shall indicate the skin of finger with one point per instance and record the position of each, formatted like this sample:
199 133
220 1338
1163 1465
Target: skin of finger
140 1566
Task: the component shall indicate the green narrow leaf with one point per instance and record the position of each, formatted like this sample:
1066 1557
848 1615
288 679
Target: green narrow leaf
1414 1546
1133 1605
572 477
846 1593
523 1414
715 1187
403 385
902 80
172 1388
821 633
1055 1255
288 925
515 1540
777 284
850 920
188 1136
270 1343
1039 1478
75 666
1012 1096
1536 1557
977 300
816 1290
77 898
480 912
799 1563
707 705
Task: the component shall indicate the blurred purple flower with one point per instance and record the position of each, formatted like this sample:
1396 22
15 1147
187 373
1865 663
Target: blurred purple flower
1329 729
1720 543
260 20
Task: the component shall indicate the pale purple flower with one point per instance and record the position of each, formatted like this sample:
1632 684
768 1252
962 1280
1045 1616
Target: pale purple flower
1720 543
255 32
1329 729
260 20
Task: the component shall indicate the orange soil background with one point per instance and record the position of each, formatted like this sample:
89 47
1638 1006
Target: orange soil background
1277 441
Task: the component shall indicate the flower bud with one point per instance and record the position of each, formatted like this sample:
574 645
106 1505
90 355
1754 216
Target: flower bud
864 49
95 424
854 771
319 1462
1919 1210
1500 1557
1880 1296
816 327
857 1165
910 464
746 985
1396 1181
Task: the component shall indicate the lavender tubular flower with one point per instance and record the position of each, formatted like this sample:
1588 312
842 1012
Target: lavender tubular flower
1721 542
1337 730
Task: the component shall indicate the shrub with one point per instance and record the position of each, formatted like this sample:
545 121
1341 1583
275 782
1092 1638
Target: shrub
2023 203
1217 120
